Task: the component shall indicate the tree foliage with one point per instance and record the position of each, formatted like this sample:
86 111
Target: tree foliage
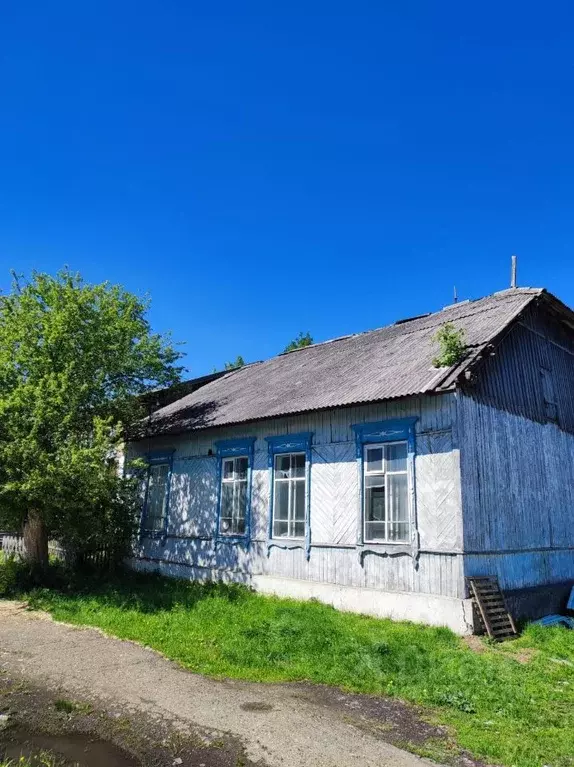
239 363
73 359
300 342
452 347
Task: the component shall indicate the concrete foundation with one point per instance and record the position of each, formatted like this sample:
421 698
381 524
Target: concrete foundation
455 614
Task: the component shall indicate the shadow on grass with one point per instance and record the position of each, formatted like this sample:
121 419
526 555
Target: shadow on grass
126 589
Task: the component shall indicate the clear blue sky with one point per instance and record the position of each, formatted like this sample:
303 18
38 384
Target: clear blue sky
262 168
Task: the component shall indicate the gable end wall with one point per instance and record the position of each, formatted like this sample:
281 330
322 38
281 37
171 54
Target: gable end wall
517 466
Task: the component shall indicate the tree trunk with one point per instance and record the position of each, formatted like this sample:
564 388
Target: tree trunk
36 541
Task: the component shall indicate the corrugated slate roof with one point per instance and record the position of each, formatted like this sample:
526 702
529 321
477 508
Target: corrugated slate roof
394 361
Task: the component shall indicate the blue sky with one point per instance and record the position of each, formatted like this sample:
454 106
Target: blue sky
262 168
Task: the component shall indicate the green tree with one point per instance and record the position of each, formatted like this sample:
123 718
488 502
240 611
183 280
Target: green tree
74 358
239 363
300 342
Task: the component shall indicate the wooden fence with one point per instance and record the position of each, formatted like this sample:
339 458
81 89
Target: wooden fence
14 545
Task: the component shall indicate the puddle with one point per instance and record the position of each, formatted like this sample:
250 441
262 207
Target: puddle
78 750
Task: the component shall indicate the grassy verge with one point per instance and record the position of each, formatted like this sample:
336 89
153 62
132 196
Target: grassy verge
511 704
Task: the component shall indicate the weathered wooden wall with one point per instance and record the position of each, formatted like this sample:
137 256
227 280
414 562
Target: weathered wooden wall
512 381
334 490
517 465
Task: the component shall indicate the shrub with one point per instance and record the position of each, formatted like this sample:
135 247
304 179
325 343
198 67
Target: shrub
452 348
14 575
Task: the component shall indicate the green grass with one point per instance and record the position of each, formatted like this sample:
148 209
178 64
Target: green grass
501 710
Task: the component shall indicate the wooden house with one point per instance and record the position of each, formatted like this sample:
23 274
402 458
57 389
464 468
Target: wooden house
357 473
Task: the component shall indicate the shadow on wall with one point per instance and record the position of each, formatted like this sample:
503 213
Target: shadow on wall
192 549
200 562
193 497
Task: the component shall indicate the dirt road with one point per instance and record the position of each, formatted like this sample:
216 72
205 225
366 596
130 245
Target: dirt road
279 725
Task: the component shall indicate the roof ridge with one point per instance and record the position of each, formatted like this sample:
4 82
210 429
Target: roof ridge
466 302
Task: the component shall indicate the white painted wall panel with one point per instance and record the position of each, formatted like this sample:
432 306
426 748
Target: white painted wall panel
438 492
193 497
334 494
260 494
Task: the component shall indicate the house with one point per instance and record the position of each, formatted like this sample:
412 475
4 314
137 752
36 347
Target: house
357 473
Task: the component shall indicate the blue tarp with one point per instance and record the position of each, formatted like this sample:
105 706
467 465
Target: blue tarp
570 604
556 620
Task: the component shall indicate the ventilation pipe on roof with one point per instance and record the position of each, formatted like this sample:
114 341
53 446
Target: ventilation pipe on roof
513 272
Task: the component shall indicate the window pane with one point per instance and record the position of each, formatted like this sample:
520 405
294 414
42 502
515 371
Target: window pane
226 507
241 468
280 529
240 507
299 531
228 468
227 499
398 506
299 499
375 531
399 531
375 504
225 526
374 459
281 503
282 465
397 457
298 465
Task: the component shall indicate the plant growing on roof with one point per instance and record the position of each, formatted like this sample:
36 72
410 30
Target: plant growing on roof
452 348
238 363
300 342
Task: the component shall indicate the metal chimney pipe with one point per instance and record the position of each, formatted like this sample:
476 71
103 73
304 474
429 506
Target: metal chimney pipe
513 273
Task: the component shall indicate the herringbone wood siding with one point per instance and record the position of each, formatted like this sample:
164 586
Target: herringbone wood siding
438 496
334 494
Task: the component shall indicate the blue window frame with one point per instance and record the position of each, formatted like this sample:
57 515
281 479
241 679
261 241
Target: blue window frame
155 509
385 459
234 479
290 479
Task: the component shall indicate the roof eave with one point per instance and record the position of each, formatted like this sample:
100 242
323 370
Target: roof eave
227 424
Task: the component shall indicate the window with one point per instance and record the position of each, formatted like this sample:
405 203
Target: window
386 512
235 461
234 493
385 459
156 497
289 496
290 477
